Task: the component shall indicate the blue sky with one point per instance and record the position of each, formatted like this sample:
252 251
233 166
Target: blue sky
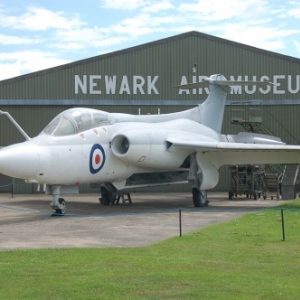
39 34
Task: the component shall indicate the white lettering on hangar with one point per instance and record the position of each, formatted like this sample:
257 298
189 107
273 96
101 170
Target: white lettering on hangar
90 84
291 84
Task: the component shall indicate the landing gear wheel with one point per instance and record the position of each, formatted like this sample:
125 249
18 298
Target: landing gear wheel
199 198
108 196
255 195
61 208
105 196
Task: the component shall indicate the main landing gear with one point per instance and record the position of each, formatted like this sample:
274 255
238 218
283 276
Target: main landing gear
107 195
110 195
199 198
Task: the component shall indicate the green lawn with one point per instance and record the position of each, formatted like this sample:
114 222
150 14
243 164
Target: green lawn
241 259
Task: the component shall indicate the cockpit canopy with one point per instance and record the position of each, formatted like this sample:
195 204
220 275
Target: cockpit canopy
75 120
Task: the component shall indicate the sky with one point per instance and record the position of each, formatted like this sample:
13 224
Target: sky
40 34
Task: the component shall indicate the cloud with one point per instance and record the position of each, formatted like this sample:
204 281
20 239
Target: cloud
257 34
126 30
84 38
250 22
124 4
260 23
40 19
294 12
19 63
146 6
139 25
158 7
215 10
15 40
297 45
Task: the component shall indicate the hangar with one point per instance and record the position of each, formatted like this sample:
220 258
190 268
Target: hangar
141 80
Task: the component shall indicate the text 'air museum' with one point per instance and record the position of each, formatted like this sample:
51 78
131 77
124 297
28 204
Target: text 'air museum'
141 80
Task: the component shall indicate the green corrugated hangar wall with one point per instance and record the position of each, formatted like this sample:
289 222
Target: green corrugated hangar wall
141 80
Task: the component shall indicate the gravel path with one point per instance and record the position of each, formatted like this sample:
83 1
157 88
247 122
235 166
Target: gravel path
26 222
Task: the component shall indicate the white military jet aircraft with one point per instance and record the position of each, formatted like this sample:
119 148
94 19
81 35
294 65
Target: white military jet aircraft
121 151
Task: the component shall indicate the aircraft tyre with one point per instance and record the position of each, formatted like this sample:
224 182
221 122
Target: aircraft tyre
61 208
199 198
105 196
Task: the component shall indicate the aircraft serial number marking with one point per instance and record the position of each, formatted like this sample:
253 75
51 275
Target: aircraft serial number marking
97 158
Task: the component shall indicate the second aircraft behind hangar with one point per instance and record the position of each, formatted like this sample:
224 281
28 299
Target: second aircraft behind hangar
121 151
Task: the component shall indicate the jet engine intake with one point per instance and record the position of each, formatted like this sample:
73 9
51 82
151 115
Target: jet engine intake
145 148
120 145
131 147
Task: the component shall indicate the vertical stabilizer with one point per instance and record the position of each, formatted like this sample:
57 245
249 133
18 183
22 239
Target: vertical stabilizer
212 109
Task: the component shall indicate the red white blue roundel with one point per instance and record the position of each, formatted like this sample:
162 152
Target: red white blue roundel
97 158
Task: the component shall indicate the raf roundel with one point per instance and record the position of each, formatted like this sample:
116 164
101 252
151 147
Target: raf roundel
97 158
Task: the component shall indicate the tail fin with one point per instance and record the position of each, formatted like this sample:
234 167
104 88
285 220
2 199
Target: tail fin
212 109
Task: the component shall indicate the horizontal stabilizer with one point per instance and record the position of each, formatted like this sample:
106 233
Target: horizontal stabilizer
237 83
207 81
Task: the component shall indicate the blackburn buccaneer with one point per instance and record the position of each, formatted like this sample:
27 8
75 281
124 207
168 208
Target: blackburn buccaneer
120 151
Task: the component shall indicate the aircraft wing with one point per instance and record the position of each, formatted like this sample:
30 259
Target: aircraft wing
222 153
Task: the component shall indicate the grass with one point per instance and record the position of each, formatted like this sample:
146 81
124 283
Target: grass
241 259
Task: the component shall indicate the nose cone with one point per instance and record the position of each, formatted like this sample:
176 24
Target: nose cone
20 161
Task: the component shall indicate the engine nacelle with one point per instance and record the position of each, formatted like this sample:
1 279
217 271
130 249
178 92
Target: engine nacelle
131 146
145 148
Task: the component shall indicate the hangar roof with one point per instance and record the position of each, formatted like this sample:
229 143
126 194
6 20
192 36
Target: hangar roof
148 45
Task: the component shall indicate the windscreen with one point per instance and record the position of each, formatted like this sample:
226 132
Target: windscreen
75 120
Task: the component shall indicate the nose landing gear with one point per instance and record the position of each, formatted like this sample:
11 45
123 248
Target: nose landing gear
61 207
58 204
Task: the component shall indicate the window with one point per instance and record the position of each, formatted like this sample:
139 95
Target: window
75 120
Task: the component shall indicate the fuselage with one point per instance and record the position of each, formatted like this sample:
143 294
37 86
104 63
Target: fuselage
93 155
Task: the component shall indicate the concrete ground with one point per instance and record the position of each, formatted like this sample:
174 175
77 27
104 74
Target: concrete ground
26 222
